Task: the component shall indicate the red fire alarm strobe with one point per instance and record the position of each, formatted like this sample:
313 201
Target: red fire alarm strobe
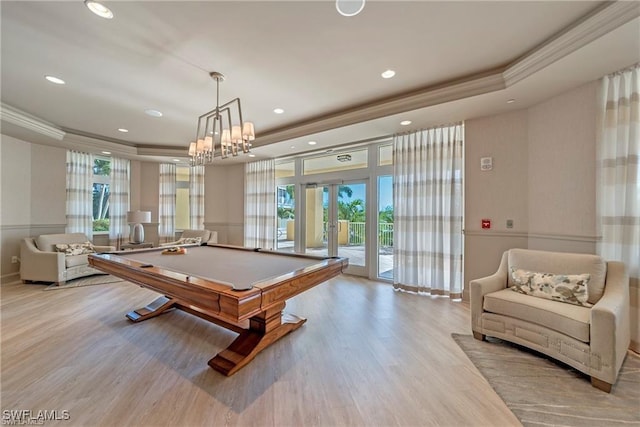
486 223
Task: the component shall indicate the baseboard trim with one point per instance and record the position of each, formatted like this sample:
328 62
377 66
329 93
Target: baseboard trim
634 346
9 278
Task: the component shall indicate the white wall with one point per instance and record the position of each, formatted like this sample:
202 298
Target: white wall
562 166
499 194
33 182
224 202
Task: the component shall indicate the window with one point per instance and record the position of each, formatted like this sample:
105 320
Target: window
101 179
385 155
285 169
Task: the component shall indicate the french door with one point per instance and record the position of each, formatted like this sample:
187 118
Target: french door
336 222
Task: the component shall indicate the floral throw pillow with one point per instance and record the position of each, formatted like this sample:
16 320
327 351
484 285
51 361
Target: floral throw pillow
569 288
70 249
190 240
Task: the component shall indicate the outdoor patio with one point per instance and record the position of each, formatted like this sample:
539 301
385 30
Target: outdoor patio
355 253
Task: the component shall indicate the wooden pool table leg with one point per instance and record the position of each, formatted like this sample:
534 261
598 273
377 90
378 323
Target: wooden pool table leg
157 307
264 329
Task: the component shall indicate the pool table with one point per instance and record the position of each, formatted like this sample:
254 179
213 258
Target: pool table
241 289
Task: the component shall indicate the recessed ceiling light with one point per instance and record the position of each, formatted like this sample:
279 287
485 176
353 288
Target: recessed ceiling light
405 122
123 130
176 160
293 146
153 113
99 9
278 111
312 143
55 80
349 7
388 74
106 152
511 101
252 155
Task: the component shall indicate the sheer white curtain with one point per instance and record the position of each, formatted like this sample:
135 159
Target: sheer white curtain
196 197
79 210
118 200
619 175
260 204
427 200
167 203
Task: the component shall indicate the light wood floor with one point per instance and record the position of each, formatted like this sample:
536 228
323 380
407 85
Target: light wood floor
367 356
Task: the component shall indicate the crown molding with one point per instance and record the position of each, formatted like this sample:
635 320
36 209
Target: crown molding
593 26
178 152
432 95
24 120
95 145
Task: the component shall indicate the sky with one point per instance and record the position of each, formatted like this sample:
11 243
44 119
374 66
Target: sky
385 191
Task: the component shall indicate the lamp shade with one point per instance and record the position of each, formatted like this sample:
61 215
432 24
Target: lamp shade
137 217
236 134
208 143
248 133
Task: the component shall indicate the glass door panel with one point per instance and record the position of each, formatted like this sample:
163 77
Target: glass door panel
317 220
335 223
286 218
352 207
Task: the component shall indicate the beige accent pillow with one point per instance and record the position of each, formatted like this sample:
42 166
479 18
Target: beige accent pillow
72 249
568 288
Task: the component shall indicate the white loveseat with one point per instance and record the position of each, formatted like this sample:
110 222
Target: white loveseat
593 338
40 261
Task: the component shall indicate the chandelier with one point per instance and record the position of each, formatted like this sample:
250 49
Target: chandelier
221 129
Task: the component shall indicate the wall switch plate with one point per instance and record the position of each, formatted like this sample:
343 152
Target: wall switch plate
509 223
14 259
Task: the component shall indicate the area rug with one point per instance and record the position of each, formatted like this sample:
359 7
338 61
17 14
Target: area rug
543 392
101 279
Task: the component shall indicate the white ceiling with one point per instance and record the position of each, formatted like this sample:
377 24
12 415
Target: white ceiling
454 61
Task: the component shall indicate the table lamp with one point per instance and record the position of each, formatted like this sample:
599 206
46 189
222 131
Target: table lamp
137 231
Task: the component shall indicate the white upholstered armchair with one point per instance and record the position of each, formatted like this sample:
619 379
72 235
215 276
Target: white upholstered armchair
590 333
42 261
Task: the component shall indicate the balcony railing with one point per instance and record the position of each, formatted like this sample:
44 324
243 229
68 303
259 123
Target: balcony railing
357 233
